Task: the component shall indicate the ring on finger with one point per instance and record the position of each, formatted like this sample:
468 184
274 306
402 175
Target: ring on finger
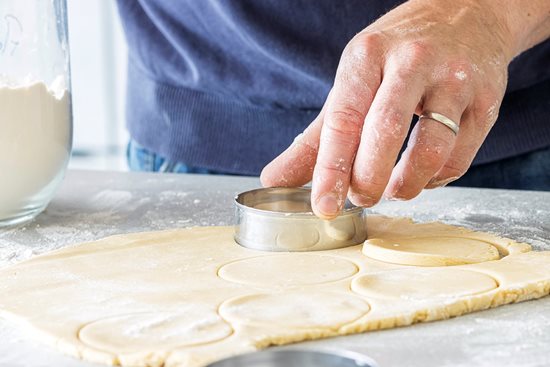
453 126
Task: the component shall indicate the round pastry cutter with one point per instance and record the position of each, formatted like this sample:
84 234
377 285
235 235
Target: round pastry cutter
297 358
281 219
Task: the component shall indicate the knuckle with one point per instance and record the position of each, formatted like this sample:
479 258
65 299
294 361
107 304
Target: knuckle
345 121
339 165
391 124
457 81
460 69
364 44
415 53
392 115
420 49
486 110
405 72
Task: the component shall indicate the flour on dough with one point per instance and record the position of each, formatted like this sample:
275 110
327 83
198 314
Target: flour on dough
163 330
191 296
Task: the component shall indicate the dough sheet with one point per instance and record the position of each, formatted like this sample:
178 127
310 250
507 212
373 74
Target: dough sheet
188 297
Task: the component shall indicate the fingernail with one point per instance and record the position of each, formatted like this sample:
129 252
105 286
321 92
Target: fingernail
442 182
361 200
392 196
328 205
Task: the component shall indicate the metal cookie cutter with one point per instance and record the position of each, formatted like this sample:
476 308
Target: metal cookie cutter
281 219
297 358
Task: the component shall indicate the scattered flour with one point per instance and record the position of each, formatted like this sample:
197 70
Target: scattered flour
461 75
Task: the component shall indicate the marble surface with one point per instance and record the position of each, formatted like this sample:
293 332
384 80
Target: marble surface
93 204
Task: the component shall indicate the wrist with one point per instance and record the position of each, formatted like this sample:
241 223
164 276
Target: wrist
521 24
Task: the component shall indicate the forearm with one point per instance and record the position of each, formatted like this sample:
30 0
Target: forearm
526 23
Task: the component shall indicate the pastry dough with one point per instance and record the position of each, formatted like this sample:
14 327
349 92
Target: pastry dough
190 296
133 332
430 251
274 271
423 284
295 309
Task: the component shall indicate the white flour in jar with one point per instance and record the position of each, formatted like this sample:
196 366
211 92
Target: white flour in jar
35 144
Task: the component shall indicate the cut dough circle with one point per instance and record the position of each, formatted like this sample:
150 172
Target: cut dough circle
288 270
303 309
155 330
430 251
421 284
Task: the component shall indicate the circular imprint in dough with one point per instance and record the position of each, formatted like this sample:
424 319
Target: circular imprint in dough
287 270
420 284
296 309
297 240
155 330
430 251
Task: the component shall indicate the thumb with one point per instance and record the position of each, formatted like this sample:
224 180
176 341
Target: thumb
294 167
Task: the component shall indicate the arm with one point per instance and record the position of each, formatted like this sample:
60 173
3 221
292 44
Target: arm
449 57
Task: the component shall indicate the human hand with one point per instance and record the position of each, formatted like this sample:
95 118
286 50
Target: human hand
438 56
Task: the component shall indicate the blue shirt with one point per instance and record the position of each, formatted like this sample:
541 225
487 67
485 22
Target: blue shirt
227 84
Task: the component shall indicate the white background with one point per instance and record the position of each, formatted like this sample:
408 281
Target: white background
98 66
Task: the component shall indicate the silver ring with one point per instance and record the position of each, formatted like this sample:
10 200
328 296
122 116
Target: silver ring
441 119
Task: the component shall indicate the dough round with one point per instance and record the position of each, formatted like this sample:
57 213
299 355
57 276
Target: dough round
423 283
288 270
295 309
155 330
430 251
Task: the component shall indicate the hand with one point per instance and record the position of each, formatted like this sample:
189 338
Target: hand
449 57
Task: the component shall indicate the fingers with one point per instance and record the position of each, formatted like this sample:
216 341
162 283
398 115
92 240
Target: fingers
356 83
352 146
476 123
429 145
384 132
294 167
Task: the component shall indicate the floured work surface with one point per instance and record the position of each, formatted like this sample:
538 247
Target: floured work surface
191 296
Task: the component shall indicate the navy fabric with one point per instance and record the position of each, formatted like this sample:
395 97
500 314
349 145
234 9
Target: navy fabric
529 171
227 84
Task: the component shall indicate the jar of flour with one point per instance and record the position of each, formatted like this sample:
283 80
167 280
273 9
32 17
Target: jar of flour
35 106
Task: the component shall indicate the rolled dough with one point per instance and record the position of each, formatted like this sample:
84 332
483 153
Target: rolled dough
190 296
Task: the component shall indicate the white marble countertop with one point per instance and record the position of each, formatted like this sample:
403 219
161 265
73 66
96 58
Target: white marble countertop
93 204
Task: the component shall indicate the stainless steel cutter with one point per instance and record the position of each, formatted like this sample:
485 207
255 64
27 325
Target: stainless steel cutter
281 219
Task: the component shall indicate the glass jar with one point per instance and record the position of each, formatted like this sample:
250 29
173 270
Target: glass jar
35 106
